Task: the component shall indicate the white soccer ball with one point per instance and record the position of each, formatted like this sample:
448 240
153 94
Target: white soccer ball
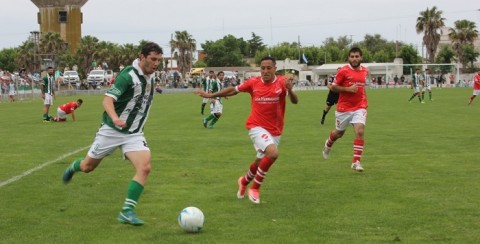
191 219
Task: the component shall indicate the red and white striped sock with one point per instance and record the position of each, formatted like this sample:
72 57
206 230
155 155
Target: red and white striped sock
330 140
262 172
357 149
250 174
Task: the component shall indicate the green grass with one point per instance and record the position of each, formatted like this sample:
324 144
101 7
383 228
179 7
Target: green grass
419 185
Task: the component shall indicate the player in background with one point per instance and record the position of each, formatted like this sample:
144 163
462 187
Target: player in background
427 85
206 86
12 90
476 87
48 93
265 123
416 86
332 98
127 104
216 106
352 106
67 108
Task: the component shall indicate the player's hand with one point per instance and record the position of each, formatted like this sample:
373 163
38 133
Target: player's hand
353 88
200 93
289 83
120 123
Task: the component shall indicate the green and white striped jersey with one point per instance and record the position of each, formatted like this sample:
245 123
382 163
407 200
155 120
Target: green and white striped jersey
133 93
48 84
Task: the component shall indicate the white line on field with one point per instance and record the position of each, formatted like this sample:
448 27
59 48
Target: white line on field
18 177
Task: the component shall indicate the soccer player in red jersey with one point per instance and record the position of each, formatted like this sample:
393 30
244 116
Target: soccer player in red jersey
476 87
67 108
265 124
351 107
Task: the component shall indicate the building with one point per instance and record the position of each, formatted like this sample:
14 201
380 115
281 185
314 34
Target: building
63 17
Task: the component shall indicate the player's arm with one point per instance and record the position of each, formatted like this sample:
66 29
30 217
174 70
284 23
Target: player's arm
110 110
229 91
73 115
336 88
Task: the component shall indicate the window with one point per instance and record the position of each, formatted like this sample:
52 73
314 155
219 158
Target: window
62 16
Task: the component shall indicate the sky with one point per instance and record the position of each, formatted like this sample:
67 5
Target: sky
276 21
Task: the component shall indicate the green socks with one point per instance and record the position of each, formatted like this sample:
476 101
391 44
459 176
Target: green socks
133 194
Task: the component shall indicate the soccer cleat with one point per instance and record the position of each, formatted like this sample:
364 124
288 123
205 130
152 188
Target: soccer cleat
422 102
68 174
241 189
129 217
326 151
322 121
204 121
254 195
210 127
46 121
357 166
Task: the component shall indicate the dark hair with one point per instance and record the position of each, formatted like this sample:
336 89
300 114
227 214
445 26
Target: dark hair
355 50
151 47
49 67
211 71
220 72
269 58
80 101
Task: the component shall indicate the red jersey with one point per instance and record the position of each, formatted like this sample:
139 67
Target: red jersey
68 107
476 82
267 103
347 76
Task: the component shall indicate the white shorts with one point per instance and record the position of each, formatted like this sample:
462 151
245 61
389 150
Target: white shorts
344 119
11 93
476 92
261 138
427 88
416 89
108 139
61 114
216 107
48 99
205 100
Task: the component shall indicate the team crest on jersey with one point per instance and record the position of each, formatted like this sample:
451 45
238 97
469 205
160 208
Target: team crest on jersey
148 87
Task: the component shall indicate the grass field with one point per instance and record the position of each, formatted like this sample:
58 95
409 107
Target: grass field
420 183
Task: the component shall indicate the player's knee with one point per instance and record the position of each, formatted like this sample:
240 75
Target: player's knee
145 168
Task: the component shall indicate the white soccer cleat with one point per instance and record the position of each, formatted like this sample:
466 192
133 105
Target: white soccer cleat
357 166
326 151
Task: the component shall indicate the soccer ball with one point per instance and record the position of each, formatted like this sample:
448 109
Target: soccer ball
191 219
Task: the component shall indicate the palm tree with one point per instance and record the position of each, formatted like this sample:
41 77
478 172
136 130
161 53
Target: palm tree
87 52
430 23
464 33
186 45
25 56
52 45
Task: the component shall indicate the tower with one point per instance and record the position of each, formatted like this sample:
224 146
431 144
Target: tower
63 17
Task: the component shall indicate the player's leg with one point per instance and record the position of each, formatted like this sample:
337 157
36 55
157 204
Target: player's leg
217 112
243 181
343 121
359 120
139 155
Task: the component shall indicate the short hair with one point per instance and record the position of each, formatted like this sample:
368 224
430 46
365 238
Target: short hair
151 47
49 67
220 72
211 72
355 50
274 61
80 101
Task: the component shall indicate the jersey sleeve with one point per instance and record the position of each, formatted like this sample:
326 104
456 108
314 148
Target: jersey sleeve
118 88
245 86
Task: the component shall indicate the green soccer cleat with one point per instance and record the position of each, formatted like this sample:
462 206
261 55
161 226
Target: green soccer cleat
68 174
129 217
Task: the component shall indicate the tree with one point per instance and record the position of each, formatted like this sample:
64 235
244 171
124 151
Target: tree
224 52
185 45
52 45
445 56
430 23
25 56
462 35
470 55
7 58
254 45
86 51
410 56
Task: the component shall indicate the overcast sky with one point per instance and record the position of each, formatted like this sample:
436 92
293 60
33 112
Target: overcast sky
276 21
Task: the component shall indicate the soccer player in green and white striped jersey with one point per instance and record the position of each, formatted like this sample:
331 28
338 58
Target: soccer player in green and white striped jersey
206 87
216 106
48 93
127 104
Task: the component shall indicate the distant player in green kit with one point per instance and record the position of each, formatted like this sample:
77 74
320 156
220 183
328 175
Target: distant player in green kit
216 106
127 104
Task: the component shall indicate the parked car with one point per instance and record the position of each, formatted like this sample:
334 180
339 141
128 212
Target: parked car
229 75
96 77
71 77
109 75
